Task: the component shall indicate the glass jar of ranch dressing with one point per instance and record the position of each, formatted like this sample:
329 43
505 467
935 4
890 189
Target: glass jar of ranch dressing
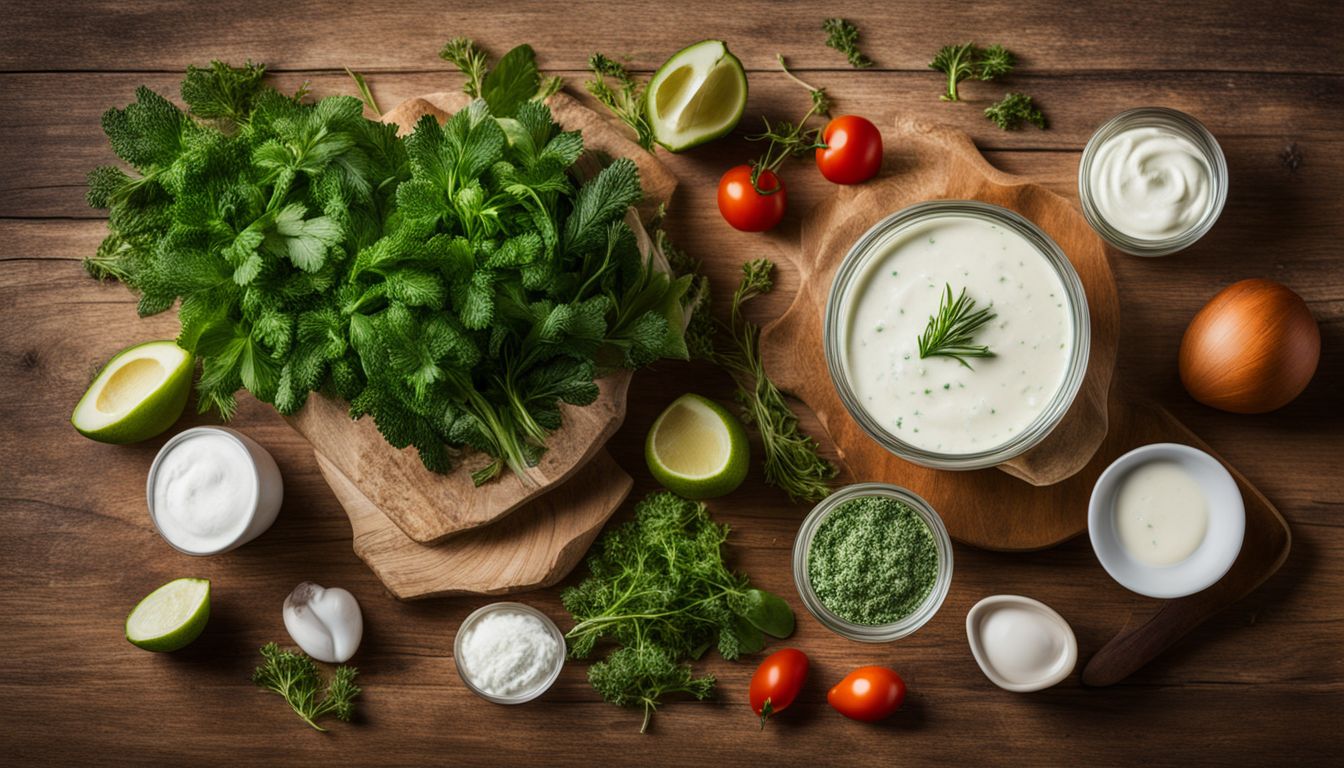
976 400
1152 181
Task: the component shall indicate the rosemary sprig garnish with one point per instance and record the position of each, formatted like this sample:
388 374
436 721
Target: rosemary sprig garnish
951 331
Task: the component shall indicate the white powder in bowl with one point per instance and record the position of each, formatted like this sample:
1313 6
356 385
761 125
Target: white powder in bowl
508 653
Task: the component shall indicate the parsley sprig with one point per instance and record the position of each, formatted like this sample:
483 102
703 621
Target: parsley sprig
952 330
843 36
959 62
295 677
1014 110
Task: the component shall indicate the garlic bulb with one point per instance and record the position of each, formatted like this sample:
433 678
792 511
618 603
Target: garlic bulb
325 623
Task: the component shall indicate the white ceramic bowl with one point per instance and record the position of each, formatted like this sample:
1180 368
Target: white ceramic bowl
265 505
1215 554
1062 642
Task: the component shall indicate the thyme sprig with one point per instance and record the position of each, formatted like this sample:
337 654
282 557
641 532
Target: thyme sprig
951 331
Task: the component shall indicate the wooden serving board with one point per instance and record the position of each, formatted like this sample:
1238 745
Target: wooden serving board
425 534
990 508
995 509
534 547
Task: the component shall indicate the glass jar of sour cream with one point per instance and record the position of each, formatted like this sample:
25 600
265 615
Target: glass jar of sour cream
1152 181
937 410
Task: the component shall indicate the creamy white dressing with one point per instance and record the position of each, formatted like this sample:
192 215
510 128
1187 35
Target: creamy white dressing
1161 515
935 403
1151 183
205 492
1021 644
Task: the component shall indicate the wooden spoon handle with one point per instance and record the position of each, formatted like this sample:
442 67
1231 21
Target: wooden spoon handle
1135 646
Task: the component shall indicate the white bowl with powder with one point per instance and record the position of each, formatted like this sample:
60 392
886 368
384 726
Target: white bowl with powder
509 653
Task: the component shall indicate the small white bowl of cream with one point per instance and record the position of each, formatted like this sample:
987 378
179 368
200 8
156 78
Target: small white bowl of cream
1166 520
1152 181
1021 645
508 653
212 489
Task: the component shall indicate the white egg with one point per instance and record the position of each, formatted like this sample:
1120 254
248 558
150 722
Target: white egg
325 623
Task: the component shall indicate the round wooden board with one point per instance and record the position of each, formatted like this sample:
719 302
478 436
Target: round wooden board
1038 500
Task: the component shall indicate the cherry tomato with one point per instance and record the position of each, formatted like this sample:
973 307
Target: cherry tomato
744 207
853 151
868 694
777 682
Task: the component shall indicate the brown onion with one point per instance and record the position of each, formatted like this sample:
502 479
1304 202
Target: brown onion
1251 349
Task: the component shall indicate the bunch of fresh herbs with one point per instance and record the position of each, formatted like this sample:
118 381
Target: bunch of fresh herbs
968 60
457 285
659 589
295 677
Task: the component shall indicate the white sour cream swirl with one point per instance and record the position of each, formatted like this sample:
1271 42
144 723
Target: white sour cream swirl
1151 183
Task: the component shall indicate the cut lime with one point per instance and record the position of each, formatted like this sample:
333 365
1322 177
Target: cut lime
137 395
697 449
171 616
697 96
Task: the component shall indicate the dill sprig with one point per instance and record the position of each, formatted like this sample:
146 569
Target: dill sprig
951 331
295 677
625 99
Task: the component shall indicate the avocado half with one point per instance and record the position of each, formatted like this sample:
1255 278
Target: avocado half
139 393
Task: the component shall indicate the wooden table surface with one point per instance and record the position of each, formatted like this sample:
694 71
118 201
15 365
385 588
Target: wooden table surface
1261 683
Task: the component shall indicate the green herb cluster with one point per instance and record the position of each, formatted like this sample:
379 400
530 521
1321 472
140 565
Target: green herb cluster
952 329
872 561
968 60
660 590
843 36
621 93
295 677
457 285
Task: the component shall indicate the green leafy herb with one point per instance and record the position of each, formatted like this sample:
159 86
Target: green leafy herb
458 285
792 462
959 62
623 96
295 677
785 140
659 588
365 94
1013 110
513 81
951 331
843 36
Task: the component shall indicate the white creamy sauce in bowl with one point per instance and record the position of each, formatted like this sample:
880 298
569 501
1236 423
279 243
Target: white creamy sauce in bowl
1161 515
1151 183
204 492
937 404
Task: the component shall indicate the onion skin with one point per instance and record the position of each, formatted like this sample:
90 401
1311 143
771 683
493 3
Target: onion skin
1252 349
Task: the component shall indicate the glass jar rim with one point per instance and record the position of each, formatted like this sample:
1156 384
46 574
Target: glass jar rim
867 633
1059 404
1188 127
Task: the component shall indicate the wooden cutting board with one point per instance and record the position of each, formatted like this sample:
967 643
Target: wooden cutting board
990 508
534 547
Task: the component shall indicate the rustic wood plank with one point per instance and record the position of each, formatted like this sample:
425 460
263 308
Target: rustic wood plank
1250 35
77 550
48 155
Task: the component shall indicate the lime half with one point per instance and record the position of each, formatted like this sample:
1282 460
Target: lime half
697 449
171 616
137 395
697 96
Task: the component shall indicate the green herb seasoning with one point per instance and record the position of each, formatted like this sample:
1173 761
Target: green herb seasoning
872 561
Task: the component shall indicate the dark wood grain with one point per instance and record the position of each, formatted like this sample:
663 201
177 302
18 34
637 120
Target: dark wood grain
1261 683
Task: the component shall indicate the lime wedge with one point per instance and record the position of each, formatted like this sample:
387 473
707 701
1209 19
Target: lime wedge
697 96
171 616
697 449
137 395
